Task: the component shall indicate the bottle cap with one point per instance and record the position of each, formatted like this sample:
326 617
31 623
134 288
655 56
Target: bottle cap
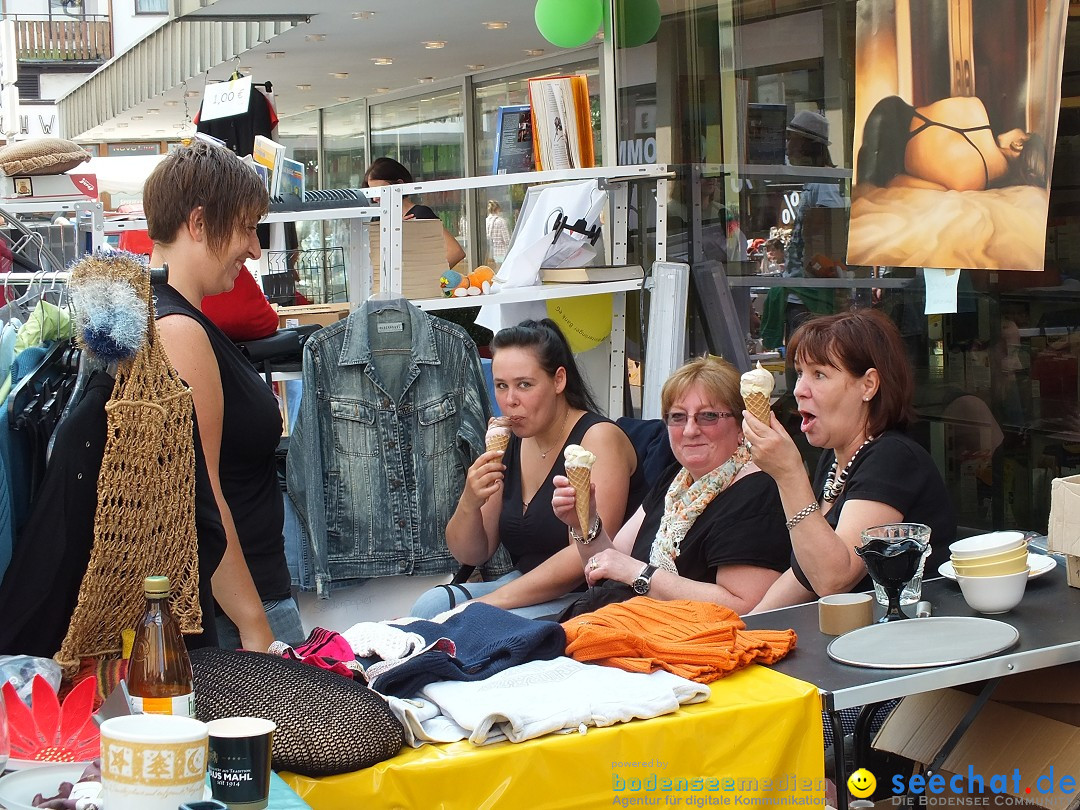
156 586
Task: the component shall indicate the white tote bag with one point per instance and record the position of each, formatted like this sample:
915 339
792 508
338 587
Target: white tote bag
533 246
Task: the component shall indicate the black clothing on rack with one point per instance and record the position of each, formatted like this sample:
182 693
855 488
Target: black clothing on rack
238 131
41 587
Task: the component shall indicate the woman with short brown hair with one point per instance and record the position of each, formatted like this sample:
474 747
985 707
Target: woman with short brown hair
854 394
202 205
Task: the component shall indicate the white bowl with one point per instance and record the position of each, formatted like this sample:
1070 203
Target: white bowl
994 594
983 544
18 789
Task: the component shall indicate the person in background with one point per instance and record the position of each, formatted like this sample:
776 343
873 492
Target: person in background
772 263
508 495
808 145
386 171
202 205
498 234
854 393
711 529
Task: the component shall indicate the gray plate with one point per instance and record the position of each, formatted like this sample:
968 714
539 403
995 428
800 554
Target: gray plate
935 641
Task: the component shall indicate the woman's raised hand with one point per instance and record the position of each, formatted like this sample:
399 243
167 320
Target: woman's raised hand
484 478
563 502
771 447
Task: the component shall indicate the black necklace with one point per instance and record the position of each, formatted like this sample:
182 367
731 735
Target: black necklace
834 484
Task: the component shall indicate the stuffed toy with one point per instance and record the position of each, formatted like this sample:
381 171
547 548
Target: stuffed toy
477 282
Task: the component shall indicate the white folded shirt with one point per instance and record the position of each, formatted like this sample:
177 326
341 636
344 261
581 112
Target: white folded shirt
541 697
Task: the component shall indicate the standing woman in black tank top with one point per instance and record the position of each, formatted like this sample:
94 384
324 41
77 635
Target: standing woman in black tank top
507 497
202 205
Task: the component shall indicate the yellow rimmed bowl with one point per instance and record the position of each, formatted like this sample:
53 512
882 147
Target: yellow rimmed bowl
1005 565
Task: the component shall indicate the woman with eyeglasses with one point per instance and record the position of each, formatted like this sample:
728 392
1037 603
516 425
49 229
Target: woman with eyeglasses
710 530
854 392
507 496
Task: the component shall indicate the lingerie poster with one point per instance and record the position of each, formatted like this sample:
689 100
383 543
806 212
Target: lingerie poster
956 110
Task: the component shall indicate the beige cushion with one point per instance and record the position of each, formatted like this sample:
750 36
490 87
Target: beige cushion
41 156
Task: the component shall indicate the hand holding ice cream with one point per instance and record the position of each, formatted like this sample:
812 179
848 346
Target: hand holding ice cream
578 463
756 387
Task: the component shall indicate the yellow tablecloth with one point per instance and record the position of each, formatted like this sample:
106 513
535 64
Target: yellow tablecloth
757 742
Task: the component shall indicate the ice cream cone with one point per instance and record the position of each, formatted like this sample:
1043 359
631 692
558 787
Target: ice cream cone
498 441
579 480
758 405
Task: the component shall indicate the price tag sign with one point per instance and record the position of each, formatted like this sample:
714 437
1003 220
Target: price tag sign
225 99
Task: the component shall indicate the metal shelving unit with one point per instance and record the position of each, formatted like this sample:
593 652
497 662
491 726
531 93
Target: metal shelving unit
616 181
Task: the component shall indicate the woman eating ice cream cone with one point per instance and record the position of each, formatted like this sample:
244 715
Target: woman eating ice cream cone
507 497
854 391
710 530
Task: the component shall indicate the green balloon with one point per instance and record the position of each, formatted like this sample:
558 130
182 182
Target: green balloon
568 23
637 22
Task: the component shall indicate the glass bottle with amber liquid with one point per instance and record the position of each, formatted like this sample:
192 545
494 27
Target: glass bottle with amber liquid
159 671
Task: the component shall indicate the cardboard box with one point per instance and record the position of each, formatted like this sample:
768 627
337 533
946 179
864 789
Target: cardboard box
52 187
1026 750
321 314
1063 534
423 257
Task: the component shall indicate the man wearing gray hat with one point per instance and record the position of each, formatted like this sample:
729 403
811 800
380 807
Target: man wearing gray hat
807 145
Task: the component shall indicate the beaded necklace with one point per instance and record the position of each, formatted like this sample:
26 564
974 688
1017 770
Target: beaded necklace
834 484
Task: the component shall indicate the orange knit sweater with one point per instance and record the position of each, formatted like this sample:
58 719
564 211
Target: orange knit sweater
697 640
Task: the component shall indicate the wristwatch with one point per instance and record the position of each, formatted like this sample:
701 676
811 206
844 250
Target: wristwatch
592 534
644 580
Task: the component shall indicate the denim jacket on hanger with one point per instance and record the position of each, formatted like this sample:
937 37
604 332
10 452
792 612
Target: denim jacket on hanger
374 475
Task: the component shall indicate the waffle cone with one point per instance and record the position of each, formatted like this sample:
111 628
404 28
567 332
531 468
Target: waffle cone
498 442
758 405
579 480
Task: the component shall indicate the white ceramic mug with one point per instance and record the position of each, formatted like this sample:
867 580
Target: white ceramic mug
152 762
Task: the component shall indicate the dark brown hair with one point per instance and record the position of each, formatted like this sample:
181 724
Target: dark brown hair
388 170
230 193
546 340
856 342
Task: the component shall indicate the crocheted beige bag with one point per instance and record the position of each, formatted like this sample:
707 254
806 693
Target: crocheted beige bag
145 518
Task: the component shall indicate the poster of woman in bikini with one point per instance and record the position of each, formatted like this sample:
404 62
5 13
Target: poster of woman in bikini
956 107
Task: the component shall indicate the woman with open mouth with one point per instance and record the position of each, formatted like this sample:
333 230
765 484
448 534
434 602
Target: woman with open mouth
854 392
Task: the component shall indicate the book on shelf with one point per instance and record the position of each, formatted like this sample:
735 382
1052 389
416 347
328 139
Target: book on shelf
513 140
590 275
292 178
269 154
561 123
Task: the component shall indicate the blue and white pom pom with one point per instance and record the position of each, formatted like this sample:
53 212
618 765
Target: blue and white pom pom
111 318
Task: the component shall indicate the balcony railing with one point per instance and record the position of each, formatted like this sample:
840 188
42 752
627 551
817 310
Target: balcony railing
86 39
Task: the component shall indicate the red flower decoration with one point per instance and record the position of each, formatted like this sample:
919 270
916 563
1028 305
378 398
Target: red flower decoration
49 732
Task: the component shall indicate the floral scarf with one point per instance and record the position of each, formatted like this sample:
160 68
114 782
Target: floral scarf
685 501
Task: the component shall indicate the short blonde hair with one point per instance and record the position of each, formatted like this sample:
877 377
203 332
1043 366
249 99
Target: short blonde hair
716 376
